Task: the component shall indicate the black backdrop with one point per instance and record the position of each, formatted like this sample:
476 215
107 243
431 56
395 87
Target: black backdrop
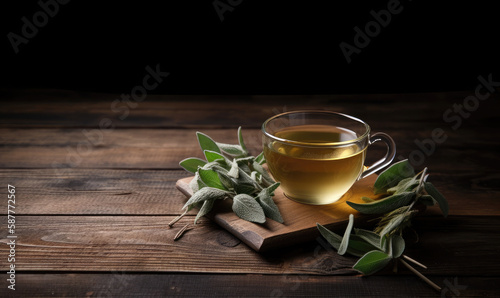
260 47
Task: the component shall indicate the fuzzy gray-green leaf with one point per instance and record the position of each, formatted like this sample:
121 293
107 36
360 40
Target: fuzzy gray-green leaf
191 164
372 262
205 193
206 143
247 208
384 205
205 208
369 236
440 199
267 203
241 141
392 175
210 178
398 246
345 240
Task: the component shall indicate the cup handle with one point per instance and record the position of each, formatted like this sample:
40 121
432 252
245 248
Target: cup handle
386 160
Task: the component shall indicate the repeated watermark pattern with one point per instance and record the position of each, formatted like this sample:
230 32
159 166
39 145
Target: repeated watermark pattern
30 27
122 106
452 289
454 116
223 6
372 29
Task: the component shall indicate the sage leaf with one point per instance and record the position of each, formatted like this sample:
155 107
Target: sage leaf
196 184
206 143
367 199
427 200
232 150
210 178
247 208
372 262
330 236
407 184
192 164
357 247
398 246
268 205
260 158
394 223
234 171
241 141
206 193
212 155
392 175
205 208
384 205
436 195
369 236
345 240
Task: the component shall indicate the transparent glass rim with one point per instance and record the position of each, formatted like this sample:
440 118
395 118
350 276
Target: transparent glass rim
318 145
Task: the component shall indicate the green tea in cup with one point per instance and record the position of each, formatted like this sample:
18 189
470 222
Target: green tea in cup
318 155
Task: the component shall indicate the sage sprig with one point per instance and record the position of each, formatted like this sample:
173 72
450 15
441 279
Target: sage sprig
230 173
403 190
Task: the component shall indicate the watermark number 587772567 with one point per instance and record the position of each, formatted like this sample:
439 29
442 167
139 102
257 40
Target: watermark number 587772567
11 235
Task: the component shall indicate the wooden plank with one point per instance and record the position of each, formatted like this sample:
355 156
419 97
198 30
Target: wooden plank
94 192
60 108
121 284
457 246
141 192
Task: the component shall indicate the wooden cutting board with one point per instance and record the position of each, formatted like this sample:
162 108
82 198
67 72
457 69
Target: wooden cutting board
299 219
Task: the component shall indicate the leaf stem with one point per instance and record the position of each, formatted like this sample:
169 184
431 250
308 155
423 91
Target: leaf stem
414 261
428 281
181 231
172 223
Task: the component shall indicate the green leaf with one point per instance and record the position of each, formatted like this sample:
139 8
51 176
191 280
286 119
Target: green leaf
207 206
436 195
206 143
206 193
247 208
367 199
196 184
260 158
212 155
330 236
231 150
394 223
240 140
267 203
427 200
234 171
392 175
345 240
372 262
357 246
369 236
384 205
210 178
407 184
191 164
398 246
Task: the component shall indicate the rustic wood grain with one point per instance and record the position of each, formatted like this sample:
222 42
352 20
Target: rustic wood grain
83 216
61 108
122 284
457 246
129 191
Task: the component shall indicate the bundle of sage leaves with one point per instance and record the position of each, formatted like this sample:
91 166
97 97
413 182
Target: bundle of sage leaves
230 173
403 190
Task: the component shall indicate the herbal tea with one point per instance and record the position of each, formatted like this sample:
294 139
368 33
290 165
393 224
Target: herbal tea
315 174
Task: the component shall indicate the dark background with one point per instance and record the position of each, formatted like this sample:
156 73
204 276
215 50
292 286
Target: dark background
283 47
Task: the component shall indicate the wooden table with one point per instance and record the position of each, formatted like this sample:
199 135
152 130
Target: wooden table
93 202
